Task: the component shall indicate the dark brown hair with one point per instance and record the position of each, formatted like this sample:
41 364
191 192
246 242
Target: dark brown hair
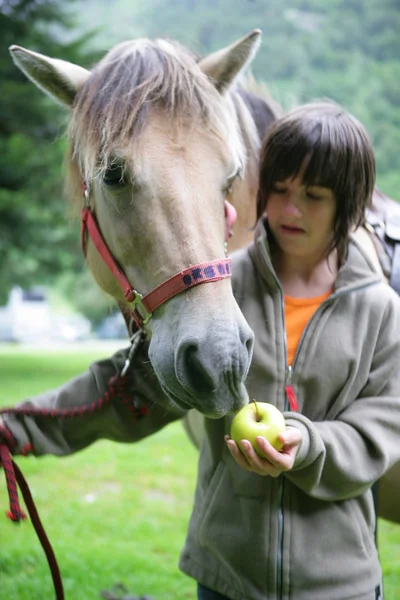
339 156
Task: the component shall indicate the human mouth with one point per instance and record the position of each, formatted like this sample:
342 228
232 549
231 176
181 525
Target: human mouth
291 230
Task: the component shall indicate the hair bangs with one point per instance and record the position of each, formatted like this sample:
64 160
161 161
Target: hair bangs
330 149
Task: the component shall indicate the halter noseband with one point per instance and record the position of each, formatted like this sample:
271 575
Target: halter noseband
142 307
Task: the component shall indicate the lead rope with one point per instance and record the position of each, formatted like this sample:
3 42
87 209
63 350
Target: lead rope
115 389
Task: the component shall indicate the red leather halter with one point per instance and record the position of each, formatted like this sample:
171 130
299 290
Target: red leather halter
142 307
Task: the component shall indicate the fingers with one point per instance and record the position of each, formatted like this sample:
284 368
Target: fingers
239 456
280 460
247 458
290 437
274 462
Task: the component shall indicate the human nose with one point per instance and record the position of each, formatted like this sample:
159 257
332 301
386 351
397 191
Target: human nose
291 206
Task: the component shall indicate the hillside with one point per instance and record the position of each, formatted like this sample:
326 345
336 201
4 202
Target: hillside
346 50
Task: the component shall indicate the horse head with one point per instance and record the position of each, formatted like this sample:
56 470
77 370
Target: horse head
157 138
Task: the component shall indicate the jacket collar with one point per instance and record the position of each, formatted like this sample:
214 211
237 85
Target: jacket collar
356 270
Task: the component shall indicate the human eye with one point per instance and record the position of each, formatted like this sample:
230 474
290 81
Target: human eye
278 188
313 196
315 193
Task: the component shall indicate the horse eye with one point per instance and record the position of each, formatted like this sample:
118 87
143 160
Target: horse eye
114 176
228 187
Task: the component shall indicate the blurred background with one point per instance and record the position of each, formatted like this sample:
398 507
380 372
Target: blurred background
346 50
113 512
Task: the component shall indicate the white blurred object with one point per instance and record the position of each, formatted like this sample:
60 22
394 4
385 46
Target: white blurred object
27 318
71 328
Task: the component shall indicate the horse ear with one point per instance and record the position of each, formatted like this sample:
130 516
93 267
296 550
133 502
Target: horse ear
223 66
59 79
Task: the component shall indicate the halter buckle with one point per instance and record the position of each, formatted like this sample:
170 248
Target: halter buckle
139 308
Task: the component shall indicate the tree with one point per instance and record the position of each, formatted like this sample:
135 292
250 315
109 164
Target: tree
37 239
346 50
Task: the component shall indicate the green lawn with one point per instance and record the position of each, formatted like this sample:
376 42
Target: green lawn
113 513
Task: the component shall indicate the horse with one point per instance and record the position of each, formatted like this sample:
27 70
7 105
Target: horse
159 135
156 139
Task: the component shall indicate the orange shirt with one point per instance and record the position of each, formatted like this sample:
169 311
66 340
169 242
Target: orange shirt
298 312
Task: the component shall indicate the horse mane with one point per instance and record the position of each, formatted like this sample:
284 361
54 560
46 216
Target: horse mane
260 112
135 77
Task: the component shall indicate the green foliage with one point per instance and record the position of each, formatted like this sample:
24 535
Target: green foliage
346 50
37 240
83 293
111 22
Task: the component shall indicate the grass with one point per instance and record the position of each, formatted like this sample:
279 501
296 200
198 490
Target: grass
114 513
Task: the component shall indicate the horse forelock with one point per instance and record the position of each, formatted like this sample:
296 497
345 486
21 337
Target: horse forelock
134 78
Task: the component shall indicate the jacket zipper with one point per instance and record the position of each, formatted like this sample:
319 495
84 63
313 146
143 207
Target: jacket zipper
279 557
290 393
290 398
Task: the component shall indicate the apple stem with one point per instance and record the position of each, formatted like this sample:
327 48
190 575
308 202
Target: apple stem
258 418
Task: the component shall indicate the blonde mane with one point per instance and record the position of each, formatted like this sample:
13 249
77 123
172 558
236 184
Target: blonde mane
137 77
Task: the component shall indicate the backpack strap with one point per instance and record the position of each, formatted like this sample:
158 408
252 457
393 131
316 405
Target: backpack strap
393 235
383 222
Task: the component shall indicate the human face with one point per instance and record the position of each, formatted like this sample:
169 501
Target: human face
301 218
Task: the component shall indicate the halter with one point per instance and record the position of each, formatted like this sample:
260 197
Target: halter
143 306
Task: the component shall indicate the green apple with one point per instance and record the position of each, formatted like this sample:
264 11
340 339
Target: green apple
258 418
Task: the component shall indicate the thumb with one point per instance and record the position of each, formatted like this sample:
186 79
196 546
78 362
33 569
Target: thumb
290 437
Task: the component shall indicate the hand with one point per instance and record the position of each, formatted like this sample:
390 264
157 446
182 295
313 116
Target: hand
276 461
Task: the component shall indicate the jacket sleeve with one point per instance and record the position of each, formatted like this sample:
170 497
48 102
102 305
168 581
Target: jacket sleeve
342 458
123 412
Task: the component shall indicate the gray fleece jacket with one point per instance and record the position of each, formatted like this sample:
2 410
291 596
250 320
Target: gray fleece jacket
308 534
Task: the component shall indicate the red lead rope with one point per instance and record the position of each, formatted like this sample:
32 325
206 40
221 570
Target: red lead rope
14 476
6 443
116 389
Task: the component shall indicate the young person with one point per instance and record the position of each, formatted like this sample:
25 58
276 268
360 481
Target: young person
298 524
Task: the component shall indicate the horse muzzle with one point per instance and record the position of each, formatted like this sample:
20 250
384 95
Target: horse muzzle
203 360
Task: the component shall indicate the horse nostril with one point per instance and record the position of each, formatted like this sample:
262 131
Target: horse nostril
192 372
250 345
246 349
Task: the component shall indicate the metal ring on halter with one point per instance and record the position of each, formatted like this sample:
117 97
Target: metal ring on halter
135 340
86 195
138 306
